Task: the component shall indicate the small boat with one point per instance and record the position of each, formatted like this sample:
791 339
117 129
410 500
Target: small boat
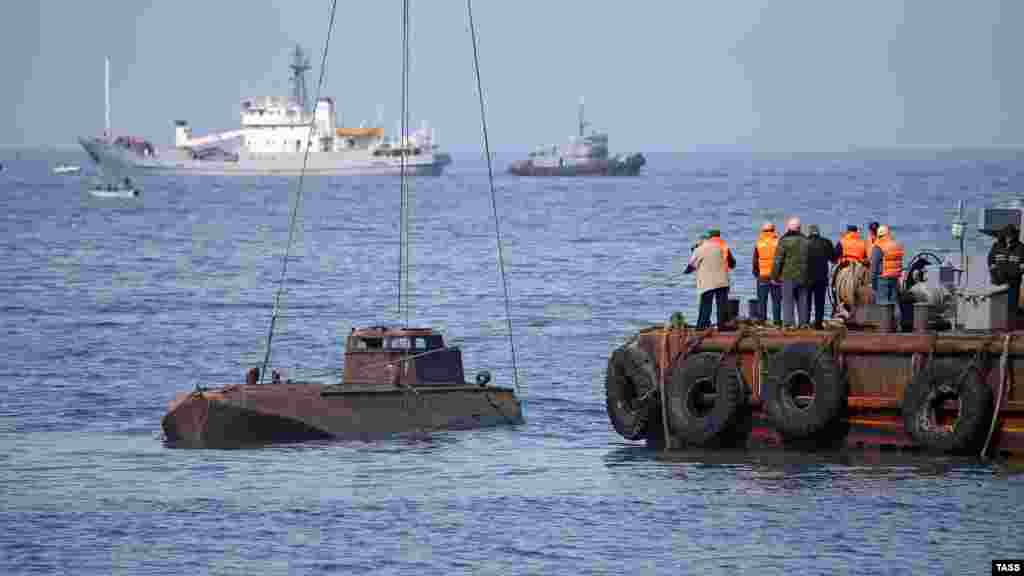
62 169
114 192
124 189
582 156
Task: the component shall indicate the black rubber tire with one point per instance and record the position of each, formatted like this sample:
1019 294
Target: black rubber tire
630 376
689 424
940 380
818 418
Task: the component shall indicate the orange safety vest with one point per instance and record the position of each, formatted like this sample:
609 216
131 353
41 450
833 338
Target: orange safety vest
854 248
766 245
892 257
725 248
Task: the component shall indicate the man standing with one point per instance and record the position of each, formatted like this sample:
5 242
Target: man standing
886 267
872 237
712 261
790 268
820 253
851 247
764 257
1006 265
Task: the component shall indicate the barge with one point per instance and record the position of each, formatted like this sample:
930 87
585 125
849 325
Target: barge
395 380
943 380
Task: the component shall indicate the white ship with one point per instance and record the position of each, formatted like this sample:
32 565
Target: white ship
273 139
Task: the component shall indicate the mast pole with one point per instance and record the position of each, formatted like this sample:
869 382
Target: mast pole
106 97
581 117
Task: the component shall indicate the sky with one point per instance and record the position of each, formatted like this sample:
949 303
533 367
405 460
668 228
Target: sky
657 75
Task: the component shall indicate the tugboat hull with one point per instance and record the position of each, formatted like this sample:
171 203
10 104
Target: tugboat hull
629 166
246 415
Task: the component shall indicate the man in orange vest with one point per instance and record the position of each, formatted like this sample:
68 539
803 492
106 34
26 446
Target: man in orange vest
886 267
764 257
851 247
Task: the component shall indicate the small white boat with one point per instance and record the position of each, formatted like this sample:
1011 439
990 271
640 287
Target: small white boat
114 192
123 189
67 169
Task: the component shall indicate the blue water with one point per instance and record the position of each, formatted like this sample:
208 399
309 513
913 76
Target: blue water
111 306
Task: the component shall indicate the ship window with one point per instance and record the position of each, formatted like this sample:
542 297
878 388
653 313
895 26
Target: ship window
434 342
369 343
398 342
420 343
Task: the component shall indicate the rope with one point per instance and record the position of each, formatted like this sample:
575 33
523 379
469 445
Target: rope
830 343
298 201
1004 376
494 201
403 233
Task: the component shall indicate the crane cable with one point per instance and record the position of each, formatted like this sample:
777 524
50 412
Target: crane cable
403 248
298 201
494 202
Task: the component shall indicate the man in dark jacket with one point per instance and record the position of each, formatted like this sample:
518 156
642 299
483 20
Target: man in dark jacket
790 268
820 253
1006 266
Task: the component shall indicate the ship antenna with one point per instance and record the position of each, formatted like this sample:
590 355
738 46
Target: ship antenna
298 198
494 202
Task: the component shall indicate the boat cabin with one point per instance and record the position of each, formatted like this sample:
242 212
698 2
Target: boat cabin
401 357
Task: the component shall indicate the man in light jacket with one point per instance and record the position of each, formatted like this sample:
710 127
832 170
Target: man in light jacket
712 264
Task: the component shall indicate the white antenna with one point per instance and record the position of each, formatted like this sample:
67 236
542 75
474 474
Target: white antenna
106 98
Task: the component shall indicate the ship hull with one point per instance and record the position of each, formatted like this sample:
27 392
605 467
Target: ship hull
119 160
877 369
249 415
606 167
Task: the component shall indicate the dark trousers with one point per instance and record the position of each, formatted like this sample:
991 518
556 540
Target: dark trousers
817 295
1012 297
764 289
794 303
720 296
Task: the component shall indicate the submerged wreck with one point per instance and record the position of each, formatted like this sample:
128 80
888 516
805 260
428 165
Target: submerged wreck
944 380
395 380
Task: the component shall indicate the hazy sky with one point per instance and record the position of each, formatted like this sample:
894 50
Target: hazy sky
657 75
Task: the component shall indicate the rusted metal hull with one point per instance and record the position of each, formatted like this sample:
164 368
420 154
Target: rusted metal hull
246 415
877 368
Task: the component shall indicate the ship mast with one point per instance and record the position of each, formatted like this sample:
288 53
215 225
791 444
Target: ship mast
106 97
299 66
583 123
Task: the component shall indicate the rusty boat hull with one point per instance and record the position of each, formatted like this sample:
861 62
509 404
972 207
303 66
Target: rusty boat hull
876 369
259 414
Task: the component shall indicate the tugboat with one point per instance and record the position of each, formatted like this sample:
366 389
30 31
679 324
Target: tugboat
582 156
940 380
395 380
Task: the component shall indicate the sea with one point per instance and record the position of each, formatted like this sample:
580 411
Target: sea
111 306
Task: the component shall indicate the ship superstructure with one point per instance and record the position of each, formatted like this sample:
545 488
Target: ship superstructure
273 138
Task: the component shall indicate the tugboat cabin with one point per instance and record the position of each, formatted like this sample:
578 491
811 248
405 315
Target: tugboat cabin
401 357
